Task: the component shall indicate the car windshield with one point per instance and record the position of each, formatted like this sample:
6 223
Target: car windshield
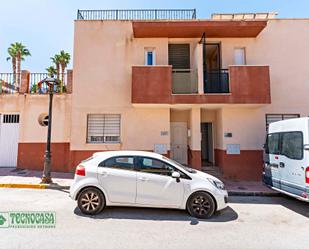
190 170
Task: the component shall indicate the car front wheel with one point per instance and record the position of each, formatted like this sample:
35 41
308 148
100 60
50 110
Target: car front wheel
91 201
201 205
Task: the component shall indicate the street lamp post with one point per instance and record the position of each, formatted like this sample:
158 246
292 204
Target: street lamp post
46 177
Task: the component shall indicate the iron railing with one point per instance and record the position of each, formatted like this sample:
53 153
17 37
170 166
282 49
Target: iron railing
9 83
143 14
37 86
184 81
217 81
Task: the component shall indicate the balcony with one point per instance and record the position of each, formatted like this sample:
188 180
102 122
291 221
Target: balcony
236 85
217 81
151 84
184 81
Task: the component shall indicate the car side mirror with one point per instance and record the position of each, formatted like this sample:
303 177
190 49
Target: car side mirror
176 175
306 147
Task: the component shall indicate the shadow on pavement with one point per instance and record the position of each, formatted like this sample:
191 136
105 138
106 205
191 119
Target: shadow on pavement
130 213
293 204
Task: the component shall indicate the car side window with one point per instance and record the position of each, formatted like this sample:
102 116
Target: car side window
273 143
155 166
292 145
121 162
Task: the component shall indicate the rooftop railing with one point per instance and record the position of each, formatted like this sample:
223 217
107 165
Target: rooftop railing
145 14
9 83
37 86
32 83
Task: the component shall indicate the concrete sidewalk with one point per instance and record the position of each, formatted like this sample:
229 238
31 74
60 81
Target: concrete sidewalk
241 188
22 178
248 188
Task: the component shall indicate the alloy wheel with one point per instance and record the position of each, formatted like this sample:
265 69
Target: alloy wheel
90 201
200 205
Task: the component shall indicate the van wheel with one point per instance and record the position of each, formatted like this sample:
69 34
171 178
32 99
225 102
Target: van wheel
91 201
201 205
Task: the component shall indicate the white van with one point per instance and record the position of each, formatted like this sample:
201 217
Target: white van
286 158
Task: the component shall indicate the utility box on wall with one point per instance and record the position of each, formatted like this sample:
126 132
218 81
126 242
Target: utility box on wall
233 149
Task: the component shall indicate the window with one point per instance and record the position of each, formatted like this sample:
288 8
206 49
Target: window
11 118
272 144
179 56
124 162
240 56
150 57
270 118
292 145
103 128
150 165
289 144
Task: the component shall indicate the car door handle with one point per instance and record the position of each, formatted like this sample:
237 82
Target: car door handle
274 165
103 173
143 179
282 165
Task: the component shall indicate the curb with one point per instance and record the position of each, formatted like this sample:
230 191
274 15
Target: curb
33 186
253 193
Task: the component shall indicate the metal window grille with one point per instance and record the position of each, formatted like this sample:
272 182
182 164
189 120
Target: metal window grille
271 118
11 118
103 128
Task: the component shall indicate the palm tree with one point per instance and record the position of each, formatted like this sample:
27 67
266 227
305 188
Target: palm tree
64 59
51 71
56 61
20 52
12 56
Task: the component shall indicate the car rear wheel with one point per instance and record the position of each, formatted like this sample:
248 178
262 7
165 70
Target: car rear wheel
201 205
91 201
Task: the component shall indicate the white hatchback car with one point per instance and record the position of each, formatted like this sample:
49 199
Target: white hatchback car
144 179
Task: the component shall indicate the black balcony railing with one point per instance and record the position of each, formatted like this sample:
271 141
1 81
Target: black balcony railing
145 14
217 81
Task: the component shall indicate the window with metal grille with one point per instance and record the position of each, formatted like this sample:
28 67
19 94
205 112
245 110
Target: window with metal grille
103 128
270 118
11 118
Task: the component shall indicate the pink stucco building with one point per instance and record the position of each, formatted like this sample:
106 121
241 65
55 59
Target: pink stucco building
200 91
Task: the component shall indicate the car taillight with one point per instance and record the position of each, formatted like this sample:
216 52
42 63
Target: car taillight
80 170
307 175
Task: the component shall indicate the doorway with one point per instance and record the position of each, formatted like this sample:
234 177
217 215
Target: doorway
9 136
179 142
215 78
207 144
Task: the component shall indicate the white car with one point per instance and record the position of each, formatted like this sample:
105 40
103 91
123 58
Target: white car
144 179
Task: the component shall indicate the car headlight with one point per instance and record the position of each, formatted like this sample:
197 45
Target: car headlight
217 184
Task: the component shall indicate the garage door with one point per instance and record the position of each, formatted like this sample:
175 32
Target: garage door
9 134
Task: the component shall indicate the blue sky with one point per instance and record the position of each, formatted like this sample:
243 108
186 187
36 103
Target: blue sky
46 26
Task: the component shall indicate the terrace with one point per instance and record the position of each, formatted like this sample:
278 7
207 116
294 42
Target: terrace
27 82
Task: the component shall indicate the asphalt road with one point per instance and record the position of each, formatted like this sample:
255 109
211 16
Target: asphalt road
249 222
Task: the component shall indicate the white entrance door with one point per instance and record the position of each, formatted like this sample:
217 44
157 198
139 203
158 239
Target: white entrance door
9 135
179 133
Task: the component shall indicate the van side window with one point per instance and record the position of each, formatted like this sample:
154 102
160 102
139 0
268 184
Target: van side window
272 144
292 145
